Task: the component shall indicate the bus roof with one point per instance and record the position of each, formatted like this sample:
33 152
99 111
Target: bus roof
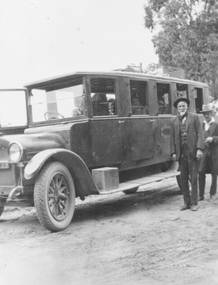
133 75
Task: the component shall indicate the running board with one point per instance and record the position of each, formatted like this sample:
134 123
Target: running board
125 186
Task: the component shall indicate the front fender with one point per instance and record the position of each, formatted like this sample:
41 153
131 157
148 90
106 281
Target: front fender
82 177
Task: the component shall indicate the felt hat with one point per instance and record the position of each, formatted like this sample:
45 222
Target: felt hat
183 99
206 108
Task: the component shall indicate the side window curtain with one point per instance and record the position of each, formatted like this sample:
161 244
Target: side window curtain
103 97
138 97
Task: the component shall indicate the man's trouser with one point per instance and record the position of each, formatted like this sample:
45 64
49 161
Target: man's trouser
189 172
207 164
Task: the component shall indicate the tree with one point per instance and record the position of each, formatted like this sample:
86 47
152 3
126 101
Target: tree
186 36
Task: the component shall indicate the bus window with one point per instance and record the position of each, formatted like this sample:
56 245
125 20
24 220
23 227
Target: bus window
163 98
181 90
57 103
103 97
138 97
198 95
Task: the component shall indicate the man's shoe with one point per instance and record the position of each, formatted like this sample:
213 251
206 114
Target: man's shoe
200 198
185 207
194 207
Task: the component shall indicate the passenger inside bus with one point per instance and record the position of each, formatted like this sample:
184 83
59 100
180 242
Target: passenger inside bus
136 106
163 98
103 104
99 104
111 107
163 105
78 110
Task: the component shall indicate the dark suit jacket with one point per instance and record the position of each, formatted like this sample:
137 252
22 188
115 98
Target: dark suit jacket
213 147
194 135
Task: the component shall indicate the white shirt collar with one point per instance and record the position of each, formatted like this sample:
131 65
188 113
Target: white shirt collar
207 125
211 121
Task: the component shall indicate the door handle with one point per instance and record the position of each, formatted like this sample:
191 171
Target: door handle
121 122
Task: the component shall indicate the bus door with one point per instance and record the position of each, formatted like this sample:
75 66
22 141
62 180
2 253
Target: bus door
142 138
141 125
106 126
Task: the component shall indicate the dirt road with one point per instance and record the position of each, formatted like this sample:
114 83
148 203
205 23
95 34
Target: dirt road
141 238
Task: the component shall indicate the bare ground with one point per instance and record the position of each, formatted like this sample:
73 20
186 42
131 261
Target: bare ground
141 238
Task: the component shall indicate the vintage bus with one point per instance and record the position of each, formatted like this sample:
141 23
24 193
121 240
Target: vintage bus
87 133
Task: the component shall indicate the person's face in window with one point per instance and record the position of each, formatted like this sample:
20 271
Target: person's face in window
111 107
135 102
161 102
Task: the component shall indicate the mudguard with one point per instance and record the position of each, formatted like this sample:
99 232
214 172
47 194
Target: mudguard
81 175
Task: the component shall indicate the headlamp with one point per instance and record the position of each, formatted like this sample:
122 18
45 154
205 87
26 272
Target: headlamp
15 152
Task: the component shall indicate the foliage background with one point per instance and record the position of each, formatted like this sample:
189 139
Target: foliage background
186 37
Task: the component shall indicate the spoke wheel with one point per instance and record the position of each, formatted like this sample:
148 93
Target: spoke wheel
54 197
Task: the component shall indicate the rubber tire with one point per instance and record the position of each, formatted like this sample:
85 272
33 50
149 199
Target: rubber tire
41 199
1 210
131 191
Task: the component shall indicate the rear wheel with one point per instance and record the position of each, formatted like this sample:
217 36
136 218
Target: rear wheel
54 197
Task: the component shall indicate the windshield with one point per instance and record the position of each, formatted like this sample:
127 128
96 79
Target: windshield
13 111
57 103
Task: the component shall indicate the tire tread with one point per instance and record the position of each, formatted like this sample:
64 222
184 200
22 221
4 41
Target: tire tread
39 200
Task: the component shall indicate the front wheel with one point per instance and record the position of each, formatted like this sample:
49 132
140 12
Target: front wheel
54 197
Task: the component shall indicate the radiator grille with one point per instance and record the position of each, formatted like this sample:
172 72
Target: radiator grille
8 176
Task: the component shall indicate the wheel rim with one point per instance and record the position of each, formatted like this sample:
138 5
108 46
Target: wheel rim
59 197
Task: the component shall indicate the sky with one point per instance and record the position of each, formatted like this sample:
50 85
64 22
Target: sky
45 38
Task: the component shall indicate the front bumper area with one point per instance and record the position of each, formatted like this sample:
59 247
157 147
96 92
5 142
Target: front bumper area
17 196
14 193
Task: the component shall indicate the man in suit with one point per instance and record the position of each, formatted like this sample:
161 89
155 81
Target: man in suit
209 161
187 147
